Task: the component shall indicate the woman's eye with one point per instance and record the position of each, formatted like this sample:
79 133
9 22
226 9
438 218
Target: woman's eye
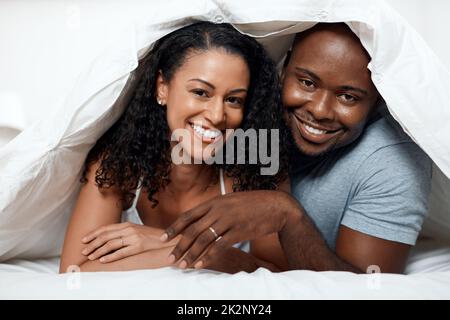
347 97
307 83
200 93
235 100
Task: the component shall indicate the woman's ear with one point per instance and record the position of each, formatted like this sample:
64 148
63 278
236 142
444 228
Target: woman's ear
282 74
162 89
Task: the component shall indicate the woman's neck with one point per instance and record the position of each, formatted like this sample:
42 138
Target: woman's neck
190 177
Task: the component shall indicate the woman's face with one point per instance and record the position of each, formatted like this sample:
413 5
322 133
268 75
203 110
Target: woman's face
205 96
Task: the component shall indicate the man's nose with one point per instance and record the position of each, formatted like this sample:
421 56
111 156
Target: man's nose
321 105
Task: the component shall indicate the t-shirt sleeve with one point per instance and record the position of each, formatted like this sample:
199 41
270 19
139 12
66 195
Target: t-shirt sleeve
390 195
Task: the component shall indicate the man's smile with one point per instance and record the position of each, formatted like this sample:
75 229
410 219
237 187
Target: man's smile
313 133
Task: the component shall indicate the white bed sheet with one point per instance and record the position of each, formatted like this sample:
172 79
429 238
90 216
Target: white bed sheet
428 278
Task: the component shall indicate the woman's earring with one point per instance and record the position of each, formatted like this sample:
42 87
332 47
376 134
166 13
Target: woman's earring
160 102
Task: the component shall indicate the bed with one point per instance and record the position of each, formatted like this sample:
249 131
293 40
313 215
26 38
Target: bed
428 278
37 193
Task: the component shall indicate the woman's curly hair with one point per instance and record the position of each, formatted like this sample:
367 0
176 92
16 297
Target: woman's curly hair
135 151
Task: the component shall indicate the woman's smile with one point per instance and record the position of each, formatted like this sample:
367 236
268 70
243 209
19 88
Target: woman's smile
204 133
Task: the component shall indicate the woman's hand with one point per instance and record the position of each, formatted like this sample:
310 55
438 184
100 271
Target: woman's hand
117 241
226 220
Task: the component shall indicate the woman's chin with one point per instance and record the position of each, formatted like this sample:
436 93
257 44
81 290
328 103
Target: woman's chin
197 159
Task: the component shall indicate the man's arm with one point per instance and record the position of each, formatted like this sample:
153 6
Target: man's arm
371 253
305 248
391 205
256 214
381 221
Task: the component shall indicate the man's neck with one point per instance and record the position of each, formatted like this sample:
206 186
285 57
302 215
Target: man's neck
306 162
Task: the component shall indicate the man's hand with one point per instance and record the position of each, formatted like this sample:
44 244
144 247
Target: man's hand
229 260
232 260
234 218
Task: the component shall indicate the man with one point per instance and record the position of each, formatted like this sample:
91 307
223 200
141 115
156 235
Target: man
362 183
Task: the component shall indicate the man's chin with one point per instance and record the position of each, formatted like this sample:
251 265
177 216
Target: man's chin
314 152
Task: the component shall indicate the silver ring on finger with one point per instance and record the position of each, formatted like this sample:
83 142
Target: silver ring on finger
216 236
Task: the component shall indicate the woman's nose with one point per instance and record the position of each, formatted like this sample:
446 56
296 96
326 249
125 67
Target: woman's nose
215 112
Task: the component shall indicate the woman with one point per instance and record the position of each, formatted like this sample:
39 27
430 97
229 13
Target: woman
202 79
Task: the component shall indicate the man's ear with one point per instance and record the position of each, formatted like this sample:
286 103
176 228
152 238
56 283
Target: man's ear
379 107
162 89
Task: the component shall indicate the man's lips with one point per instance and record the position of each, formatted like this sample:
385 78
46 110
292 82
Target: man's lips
314 134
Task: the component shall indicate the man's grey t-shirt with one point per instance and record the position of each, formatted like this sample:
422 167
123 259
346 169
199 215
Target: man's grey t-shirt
378 185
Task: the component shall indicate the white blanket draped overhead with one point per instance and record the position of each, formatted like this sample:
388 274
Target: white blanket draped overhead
38 169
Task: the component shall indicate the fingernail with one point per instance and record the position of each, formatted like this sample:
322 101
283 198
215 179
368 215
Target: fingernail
198 265
171 258
91 257
84 252
102 259
183 264
164 237
84 239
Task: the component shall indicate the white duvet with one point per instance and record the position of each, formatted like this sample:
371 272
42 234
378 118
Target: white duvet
21 279
38 169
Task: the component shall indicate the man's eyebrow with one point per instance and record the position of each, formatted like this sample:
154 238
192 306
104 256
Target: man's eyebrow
204 82
350 88
345 88
309 73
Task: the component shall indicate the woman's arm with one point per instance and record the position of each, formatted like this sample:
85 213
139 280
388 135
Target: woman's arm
94 208
152 259
267 250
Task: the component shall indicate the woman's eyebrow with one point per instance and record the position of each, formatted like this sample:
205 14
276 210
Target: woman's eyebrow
238 90
204 82
213 87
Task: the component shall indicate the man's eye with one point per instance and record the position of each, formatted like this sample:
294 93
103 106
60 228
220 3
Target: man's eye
200 93
347 97
307 83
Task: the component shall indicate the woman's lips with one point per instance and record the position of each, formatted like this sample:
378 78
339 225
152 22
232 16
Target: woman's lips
312 134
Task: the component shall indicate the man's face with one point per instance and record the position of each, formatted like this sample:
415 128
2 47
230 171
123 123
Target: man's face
327 90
